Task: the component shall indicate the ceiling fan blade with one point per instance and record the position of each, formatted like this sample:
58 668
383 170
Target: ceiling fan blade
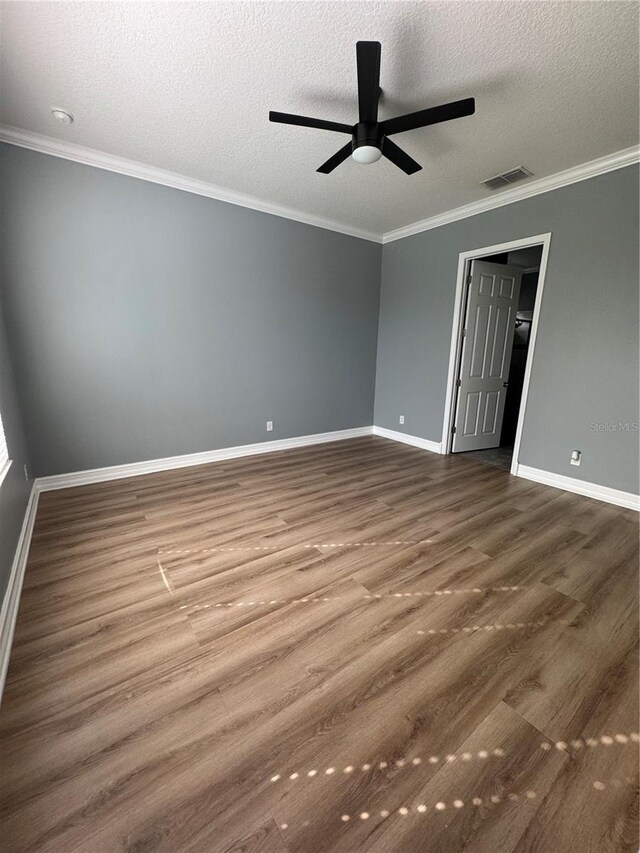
368 57
397 156
304 121
337 158
433 115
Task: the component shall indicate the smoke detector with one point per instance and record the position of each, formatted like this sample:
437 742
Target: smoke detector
62 116
507 178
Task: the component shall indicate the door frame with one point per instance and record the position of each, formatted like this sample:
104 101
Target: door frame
464 261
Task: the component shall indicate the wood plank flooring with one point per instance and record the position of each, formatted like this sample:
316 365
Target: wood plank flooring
357 646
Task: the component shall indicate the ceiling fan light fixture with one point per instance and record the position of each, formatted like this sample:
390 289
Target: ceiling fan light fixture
370 137
366 154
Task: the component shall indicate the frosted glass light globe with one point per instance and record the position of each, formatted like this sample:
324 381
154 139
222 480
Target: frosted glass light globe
366 154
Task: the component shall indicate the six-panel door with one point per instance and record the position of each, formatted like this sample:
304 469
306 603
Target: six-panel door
492 301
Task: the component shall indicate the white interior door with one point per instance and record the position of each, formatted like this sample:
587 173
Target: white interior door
489 325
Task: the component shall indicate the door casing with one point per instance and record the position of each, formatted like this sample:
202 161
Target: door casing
464 261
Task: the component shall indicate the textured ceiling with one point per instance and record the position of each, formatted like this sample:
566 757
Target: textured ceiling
188 87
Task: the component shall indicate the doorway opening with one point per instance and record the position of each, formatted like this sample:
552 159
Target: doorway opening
495 324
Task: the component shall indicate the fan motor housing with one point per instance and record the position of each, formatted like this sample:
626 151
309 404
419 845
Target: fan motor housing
367 133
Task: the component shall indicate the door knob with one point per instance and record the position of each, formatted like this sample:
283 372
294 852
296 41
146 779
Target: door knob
505 384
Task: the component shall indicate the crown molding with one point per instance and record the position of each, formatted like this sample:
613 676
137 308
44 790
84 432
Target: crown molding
100 160
617 160
133 169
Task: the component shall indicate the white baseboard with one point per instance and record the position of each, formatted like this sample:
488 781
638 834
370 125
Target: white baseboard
135 469
558 481
9 610
405 438
580 487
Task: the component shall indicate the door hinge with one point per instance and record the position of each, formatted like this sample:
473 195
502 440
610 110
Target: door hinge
458 383
463 333
468 279
453 430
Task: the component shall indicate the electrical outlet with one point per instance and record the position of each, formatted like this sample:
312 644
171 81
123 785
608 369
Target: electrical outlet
26 473
269 426
401 419
576 457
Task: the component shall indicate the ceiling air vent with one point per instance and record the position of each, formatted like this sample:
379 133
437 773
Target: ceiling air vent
507 178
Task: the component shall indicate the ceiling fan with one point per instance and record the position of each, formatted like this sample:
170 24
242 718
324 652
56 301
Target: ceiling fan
370 137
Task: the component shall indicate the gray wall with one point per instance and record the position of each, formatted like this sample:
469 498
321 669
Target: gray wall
585 369
14 491
148 322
